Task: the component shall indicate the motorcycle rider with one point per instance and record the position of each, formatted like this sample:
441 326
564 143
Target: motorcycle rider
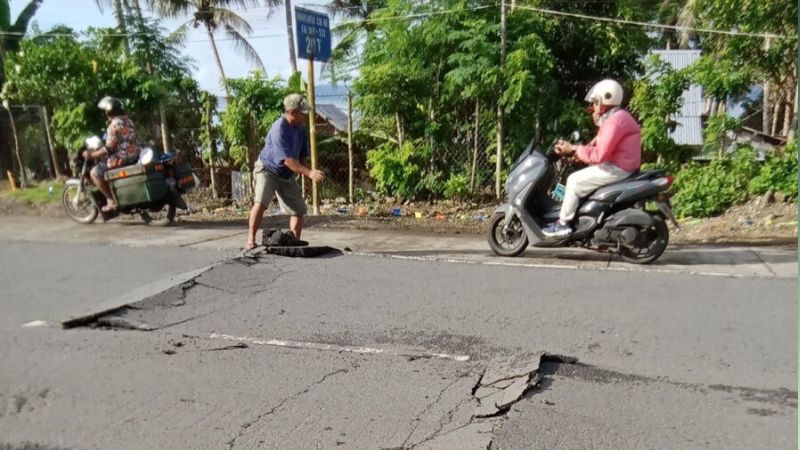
121 147
613 155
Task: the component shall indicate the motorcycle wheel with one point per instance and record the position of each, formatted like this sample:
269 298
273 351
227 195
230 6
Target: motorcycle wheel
161 218
656 238
83 211
509 243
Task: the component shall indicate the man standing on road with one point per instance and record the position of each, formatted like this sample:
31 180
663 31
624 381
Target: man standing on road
284 155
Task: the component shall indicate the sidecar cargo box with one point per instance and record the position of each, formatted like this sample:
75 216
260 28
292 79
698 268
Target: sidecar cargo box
137 184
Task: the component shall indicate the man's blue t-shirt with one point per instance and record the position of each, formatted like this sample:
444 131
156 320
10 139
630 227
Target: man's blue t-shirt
283 141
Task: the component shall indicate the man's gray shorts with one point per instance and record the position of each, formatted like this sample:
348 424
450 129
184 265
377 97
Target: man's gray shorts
288 191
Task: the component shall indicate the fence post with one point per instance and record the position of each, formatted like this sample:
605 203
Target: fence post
350 146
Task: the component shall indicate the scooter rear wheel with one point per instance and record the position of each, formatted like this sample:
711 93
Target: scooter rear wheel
510 242
655 242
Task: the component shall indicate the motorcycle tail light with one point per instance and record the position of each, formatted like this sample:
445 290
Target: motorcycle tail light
123 174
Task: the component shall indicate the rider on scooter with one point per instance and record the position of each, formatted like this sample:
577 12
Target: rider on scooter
121 149
613 155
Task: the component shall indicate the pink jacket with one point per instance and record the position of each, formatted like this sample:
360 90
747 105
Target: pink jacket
619 142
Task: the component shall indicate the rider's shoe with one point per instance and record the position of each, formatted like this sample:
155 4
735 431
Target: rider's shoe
557 230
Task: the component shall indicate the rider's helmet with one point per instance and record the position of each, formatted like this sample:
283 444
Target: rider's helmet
607 92
112 106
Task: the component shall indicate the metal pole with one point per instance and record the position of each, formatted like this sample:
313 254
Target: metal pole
350 145
312 126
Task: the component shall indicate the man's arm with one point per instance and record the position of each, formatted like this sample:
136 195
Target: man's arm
602 146
300 169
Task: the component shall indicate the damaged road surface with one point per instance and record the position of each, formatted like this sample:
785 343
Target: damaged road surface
353 352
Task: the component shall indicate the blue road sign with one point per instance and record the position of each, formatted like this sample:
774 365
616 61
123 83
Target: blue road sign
313 33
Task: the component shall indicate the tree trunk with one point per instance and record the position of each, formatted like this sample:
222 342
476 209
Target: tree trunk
350 146
475 144
162 111
793 129
23 177
119 14
219 61
290 34
776 113
500 130
53 155
212 152
766 109
431 140
399 129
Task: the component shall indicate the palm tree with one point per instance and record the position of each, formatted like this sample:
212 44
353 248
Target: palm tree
10 36
357 24
213 15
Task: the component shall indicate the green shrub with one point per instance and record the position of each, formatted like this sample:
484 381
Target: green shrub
457 186
398 171
778 173
705 190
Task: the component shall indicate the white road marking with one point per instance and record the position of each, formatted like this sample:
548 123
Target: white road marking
35 323
339 348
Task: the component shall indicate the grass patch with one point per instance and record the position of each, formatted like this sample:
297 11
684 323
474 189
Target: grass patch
39 194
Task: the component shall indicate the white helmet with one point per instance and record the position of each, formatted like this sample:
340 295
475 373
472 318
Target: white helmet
607 92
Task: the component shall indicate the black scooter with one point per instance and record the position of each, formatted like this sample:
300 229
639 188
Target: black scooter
628 217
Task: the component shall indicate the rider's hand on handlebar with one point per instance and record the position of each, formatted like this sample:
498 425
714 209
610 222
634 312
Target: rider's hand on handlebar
87 154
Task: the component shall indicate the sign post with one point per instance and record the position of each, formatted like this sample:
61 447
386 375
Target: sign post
313 43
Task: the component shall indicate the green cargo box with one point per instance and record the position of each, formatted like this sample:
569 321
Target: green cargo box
136 184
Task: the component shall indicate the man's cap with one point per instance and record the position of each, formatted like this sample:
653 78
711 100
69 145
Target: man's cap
294 102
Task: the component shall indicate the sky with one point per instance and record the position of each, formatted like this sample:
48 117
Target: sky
270 40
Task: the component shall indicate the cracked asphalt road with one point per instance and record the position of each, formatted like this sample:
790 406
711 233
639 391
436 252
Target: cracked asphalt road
363 353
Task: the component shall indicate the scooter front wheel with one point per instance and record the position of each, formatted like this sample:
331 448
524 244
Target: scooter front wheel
77 204
510 241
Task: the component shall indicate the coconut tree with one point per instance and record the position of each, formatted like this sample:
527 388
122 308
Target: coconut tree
214 16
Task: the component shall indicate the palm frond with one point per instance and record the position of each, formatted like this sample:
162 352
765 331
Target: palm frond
243 47
230 19
20 26
178 36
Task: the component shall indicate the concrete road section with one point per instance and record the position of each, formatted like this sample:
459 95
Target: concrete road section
185 345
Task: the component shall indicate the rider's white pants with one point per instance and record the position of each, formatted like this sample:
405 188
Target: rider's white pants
584 182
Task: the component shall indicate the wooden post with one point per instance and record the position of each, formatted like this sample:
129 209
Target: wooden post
11 181
350 146
500 130
312 132
53 155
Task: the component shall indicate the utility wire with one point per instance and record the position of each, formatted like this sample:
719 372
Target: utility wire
649 24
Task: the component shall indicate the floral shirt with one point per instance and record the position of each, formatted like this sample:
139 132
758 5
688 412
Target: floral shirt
121 143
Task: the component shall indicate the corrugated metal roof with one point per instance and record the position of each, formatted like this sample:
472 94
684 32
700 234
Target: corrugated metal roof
333 115
689 131
678 59
690 128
